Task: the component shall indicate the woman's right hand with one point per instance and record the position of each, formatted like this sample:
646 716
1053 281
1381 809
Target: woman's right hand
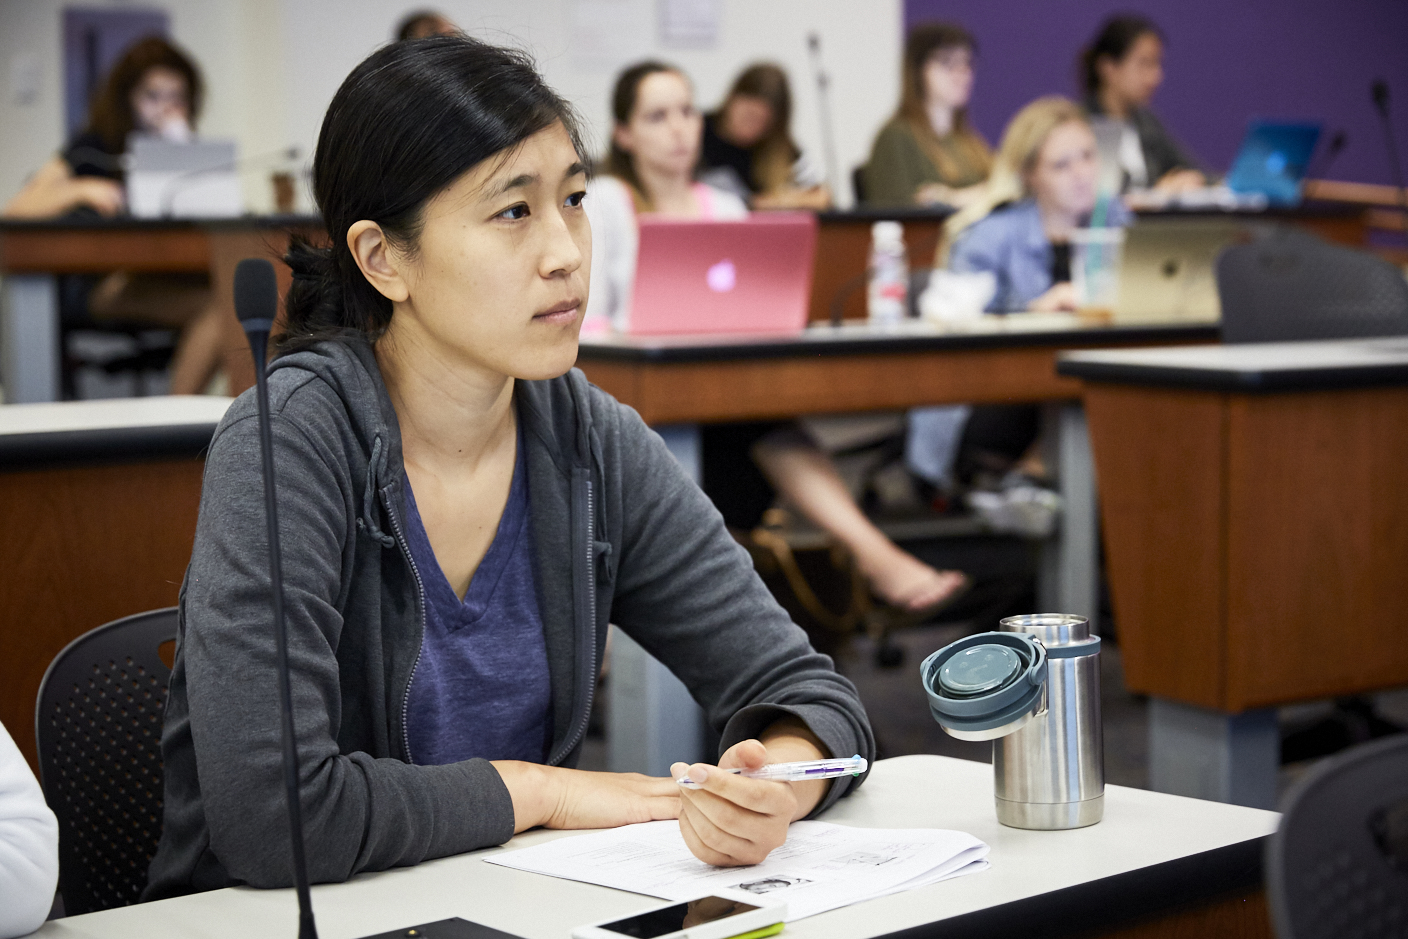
1060 298
555 797
105 196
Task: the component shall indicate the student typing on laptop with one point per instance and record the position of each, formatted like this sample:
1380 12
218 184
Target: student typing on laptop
153 89
655 143
1120 71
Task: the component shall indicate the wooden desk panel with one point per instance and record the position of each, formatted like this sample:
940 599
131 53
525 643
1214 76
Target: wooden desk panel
100 250
1317 545
1159 454
842 253
1243 916
756 389
1256 543
84 546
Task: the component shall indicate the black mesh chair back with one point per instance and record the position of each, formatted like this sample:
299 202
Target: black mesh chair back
98 724
1293 286
1338 866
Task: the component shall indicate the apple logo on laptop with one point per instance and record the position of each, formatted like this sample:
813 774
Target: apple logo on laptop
722 277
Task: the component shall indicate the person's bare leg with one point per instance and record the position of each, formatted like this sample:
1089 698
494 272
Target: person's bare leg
197 353
806 477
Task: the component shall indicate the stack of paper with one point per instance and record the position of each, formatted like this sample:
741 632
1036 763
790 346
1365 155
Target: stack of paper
821 867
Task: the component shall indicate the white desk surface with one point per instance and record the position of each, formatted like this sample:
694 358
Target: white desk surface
1257 357
62 417
1139 829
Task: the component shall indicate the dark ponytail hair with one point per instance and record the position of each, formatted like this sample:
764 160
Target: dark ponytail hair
1113 42
411 119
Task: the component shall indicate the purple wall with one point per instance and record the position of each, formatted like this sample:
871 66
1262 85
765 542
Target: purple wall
1226 61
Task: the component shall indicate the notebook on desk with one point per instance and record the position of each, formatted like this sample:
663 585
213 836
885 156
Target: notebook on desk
747 276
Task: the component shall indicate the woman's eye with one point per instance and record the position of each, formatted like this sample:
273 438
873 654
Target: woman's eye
515 212
575 200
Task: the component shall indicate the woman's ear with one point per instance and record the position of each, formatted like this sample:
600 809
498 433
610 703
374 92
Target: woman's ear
369 247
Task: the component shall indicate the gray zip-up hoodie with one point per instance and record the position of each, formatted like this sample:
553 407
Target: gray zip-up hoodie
621 535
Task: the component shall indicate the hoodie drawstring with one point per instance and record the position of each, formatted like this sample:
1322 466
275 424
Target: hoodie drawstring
367 522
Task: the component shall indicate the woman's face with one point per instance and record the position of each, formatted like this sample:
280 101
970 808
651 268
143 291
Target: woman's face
1135 78
1063 179
948 77
747 119
161 102
499 279
664 129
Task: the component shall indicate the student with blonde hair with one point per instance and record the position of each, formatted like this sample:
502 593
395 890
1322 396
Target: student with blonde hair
1041 189
928 153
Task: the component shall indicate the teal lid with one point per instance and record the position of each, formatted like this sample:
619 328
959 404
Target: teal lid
978 670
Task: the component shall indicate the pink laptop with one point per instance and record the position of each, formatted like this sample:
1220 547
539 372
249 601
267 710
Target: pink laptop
749 276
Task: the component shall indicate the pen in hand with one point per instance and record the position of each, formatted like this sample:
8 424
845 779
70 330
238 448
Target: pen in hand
793 772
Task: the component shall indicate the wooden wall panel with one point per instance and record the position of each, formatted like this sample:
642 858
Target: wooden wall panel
753 389
1159 460
1237 917
99 250
84 546
1317 545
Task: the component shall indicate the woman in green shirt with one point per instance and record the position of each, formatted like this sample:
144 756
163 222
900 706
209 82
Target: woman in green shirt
928 153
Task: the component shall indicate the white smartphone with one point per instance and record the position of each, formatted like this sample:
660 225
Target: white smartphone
718 916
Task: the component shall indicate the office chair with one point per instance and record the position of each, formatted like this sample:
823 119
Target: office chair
1292 286
98 723
1338 865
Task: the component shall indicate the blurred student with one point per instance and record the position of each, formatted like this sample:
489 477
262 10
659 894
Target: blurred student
650 168
29 845
928 153
1120 71
153 89
421 24
748 145
1042 188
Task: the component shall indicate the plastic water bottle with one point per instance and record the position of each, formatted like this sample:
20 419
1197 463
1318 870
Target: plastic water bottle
888 293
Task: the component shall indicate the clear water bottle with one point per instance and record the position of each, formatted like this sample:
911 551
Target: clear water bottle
888 293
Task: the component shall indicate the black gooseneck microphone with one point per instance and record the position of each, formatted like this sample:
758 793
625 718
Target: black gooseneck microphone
1379 92
1332 151
256 305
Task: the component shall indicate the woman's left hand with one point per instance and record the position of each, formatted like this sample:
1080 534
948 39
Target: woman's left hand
731 820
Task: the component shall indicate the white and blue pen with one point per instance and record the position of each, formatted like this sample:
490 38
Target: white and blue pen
793 772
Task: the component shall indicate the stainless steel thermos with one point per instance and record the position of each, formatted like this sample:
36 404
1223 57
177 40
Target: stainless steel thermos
1034 690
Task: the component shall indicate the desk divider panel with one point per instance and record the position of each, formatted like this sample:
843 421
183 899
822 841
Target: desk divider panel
1317 600
84 546
1160 457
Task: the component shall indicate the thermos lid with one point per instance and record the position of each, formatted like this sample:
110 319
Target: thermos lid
978 670
985 686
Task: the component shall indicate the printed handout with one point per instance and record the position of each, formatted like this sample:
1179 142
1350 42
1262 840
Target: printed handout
821 867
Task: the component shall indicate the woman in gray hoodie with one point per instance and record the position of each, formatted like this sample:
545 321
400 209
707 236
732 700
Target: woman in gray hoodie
462 515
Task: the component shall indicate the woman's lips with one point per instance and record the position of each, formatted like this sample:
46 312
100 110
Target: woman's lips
566 311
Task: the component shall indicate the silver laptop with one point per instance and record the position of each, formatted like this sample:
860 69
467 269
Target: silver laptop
183 180
1169 270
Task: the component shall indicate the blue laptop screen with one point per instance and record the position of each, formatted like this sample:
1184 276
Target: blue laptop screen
1273 160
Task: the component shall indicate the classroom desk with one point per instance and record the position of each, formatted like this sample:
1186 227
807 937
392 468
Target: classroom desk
1157 866
677 383
1256 526
100 513
34 253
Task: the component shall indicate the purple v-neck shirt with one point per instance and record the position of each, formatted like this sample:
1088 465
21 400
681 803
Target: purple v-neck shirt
481 686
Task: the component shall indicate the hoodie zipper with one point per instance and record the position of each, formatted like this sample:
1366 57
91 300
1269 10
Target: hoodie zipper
589 546
420 611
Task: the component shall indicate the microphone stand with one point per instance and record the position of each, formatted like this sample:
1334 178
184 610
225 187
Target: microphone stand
1379 92
828 142
259 275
